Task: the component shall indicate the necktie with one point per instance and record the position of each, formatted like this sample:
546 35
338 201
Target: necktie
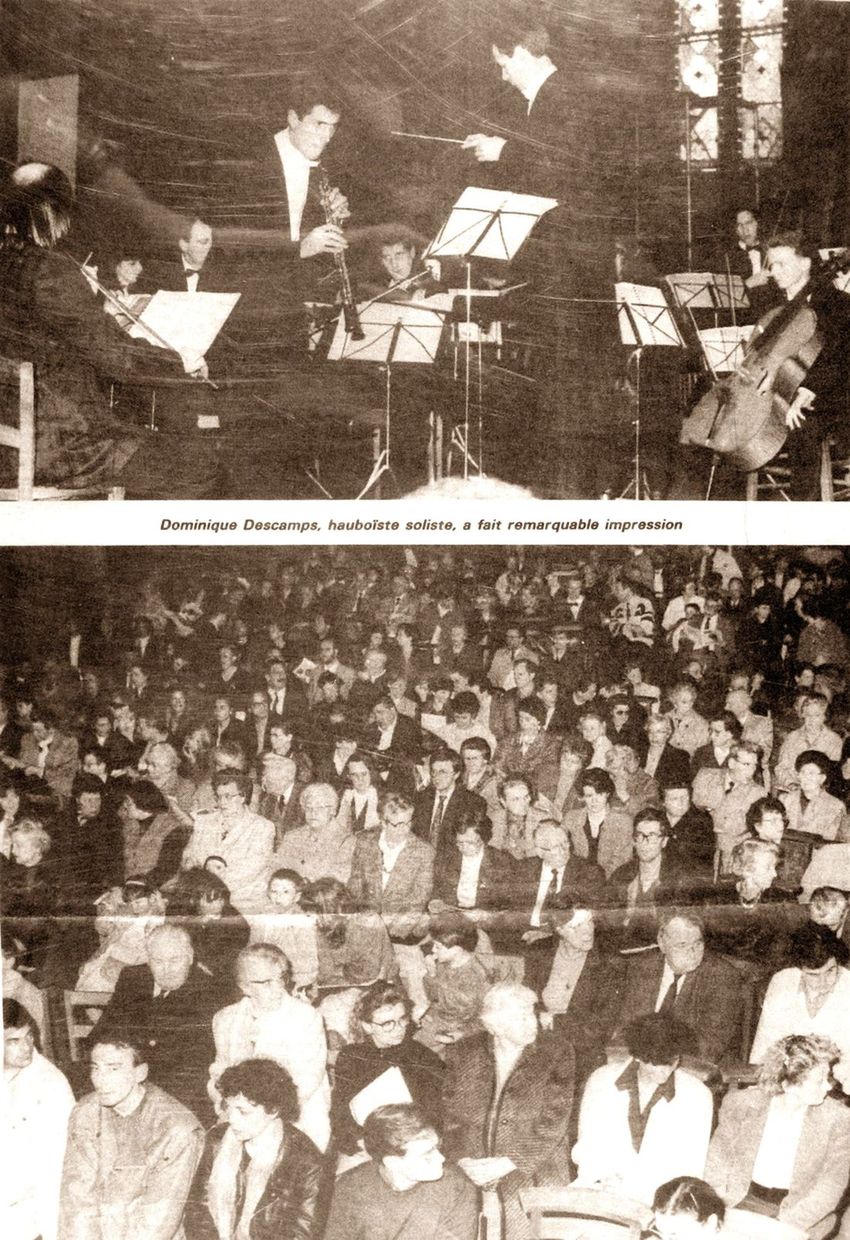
668 1003
437 820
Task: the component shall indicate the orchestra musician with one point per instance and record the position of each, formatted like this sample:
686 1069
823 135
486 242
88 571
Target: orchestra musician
184 267
820 405
311 123
51 316
748 259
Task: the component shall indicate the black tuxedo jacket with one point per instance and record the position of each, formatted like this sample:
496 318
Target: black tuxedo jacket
497 887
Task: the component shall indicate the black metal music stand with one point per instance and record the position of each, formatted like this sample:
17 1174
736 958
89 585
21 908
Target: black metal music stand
486 224
645 320
393 332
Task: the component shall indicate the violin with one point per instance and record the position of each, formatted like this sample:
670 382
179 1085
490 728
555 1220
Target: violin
742 417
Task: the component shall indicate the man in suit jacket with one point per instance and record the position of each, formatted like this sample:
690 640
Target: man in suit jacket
329 661
226 728
395 742
471 874
285 695
441 806
663 761
748 259
169 1003
188 268
555 873
279 795
530 751
684 980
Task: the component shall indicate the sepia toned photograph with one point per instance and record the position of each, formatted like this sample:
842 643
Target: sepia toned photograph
403 892
295 250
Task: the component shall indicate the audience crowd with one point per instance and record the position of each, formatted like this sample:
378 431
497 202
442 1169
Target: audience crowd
356 894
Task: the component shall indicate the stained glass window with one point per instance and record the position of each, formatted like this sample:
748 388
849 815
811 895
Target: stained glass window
708 68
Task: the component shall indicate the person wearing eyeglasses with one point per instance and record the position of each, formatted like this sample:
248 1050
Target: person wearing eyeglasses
649 880
383 1038
241 837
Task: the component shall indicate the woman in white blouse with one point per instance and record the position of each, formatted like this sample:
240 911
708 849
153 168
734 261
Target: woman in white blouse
811 997
782 1148
358 806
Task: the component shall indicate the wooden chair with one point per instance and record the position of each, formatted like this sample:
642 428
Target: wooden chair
78 1020
554 1213
21 439
771 480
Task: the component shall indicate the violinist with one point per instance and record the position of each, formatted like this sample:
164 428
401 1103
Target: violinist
748 259
395 274
820 403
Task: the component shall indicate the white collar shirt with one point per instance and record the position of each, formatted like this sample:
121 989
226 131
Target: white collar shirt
296 174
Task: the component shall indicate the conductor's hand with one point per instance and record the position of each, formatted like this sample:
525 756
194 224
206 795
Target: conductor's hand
484 147
194 364
796 415
326 239
338 204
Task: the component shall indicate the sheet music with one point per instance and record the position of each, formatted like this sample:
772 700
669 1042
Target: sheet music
186 320
417 341
693 288
465 233
648 313
723 283
724 346
387 1089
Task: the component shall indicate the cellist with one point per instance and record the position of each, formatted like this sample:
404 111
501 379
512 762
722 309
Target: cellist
820 406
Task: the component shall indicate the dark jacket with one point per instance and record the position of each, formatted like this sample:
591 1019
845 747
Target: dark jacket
710 1001
461 803
497 888
287 1208
590 1018
176 1028
360 1063
531 1120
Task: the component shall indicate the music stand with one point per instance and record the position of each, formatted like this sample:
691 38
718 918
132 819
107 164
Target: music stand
644 319
404 332
489 224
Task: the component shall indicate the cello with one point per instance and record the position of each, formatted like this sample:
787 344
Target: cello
742 417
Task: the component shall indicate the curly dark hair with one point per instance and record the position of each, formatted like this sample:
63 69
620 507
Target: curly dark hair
265 1084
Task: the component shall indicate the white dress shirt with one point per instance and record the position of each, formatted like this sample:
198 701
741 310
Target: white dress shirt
296 175
777 1152
467 884
546 873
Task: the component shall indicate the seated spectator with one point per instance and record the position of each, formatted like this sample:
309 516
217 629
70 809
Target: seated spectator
259 1176
464 722
473 875
686 1208
169 1002
592 729
754 916
478 775
634 790
690 728
691 836
440 806
723 731
624 725
812 996
643 1122
125 918
813 734
242 838
731 794
49 754
648 882
660 758
809 806
37 1103
381 1038
322 847
599 833
575 757
529 750
552 871
684 980
358 805
405 1191
353 950
579 985
154 835
782 1147
508 1100
279 794
519 814
106 1189
29 893
828 906
284 924
455 982
282 742
201 902
269 1022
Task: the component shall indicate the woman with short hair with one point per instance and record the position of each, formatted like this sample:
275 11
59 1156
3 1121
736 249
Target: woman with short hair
782 1148
259 1176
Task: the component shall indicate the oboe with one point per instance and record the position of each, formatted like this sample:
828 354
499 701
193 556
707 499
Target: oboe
349 305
